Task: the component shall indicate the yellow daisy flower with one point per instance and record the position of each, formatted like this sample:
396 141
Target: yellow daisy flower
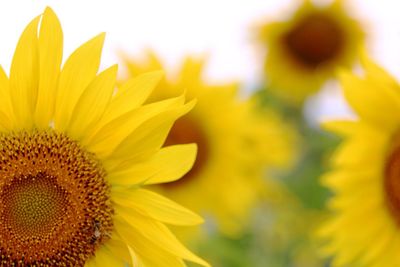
234 145
365 226
304 51
74 154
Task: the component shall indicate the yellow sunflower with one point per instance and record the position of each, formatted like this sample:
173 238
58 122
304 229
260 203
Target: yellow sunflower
234 144
304 51
74 155
364 229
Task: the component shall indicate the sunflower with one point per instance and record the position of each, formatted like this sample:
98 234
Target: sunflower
234 144
304 51
364 229
74 155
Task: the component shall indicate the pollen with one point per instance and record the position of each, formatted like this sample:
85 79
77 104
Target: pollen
55 208
187 130
315 40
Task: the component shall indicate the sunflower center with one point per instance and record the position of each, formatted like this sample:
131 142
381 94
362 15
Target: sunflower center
186 130
33 205
315 40
54 202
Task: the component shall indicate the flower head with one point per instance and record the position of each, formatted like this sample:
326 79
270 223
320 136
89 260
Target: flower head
364 229
74 155
304 51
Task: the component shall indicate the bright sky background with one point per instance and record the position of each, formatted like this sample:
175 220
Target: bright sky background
174 28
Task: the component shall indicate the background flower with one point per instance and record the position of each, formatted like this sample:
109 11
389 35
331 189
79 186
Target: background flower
237 144
305 50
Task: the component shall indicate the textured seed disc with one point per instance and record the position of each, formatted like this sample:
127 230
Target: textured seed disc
54 201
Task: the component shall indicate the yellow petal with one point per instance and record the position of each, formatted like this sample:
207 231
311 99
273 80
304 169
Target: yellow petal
142 255
79 70
191 74
360 151
378 74
348 178
118 248
378 248
90 263
103 257
151 64
136 259
372 102
156 206
93 102
7 120
167 165
342 127
150 135
109 135
50 57
24 75
157 234
133 94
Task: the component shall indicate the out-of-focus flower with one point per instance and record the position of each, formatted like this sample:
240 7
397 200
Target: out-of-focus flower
365 226
74 156
304 51
236 145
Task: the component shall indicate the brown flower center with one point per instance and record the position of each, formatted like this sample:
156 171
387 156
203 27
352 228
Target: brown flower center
54 202
186 130
315 40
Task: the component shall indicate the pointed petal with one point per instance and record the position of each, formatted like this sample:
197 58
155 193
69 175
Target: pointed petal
24 75
109 135
157 234
93 102
133 94
167 165
142 255
377 73
79 70
150 63
191 72
371 101
50 56
156 206
7 120
149 136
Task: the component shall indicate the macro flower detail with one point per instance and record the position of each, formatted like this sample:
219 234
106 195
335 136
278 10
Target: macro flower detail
236 145
49 187
364 228
309 47
75 154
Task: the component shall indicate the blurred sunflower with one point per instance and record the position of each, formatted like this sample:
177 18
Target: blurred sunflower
235 144
74 155
365 226
304 51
